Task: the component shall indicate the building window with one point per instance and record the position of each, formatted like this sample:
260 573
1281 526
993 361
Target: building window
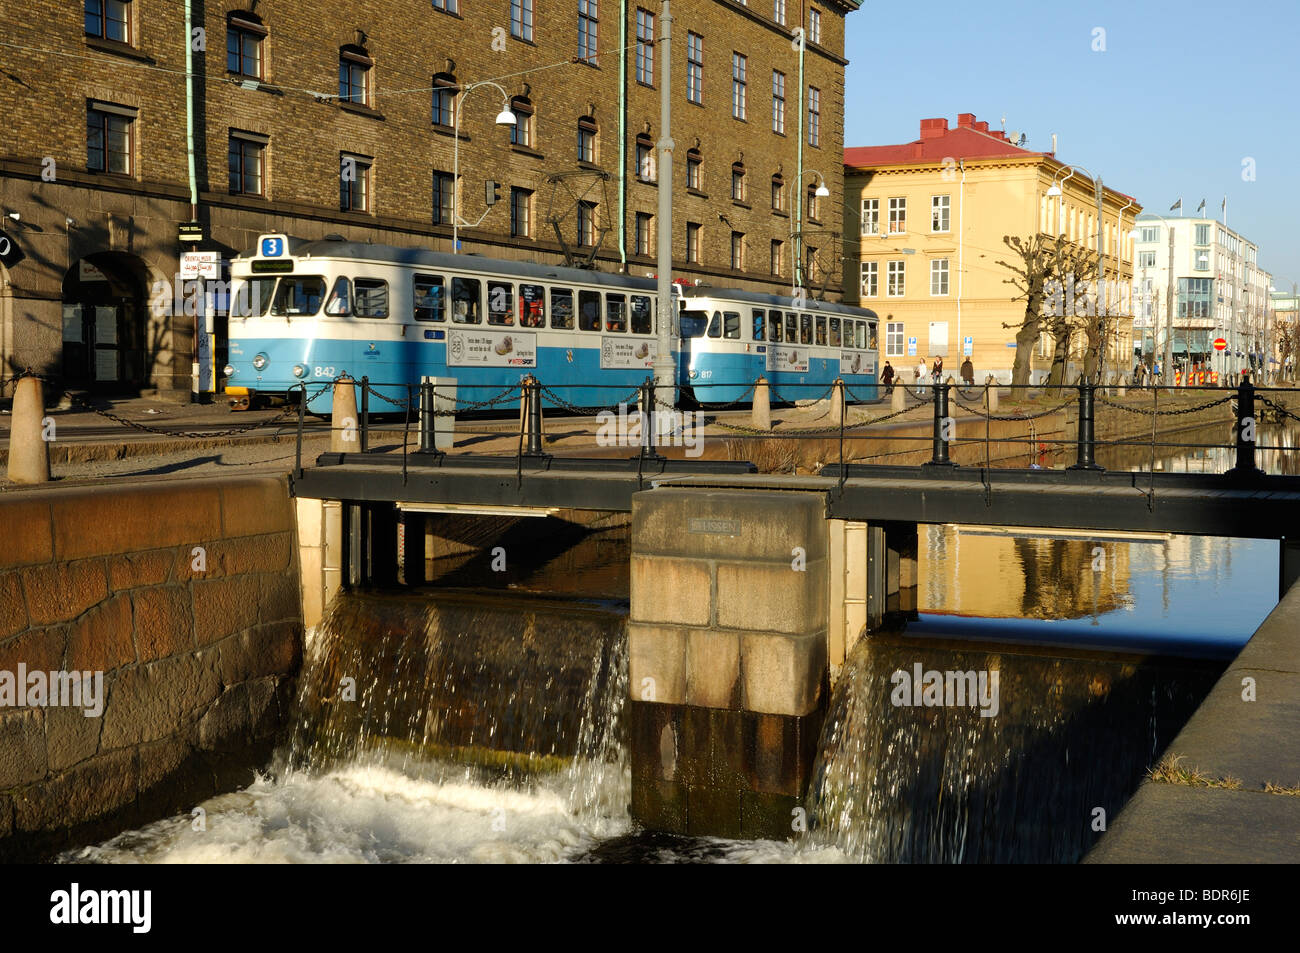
814 25
778 102
810 263
447 6
444 198
644 240
939 210
1194 297
645 47
694 170
109 20
893 339
812 203
1202 234
587 151
244 45
587 223
247 152
739 86
895 286
693 242
778 11
870 279
521 19
354 183
939 277
897 216
737 251
814 116
778 193
694 68
738 182
645 158
521 133
587 31
444 100
354 75
1146 259
521 213
871 216
777 256
1147 234
110 134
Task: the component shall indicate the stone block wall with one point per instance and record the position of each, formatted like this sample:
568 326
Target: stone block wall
185 596
728 656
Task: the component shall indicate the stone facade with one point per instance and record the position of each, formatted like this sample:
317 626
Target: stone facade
125 225
197 650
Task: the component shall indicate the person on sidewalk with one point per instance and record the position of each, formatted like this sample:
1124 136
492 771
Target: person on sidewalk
968 373
937 371
920 378
887 377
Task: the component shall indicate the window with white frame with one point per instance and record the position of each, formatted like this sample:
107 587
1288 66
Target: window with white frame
778 102
1146 259
940 206
778 11
739 86
893 339
939 277
814 25
645 47
870 279
895 284
521 19
871 216
897 216
814 116
694 68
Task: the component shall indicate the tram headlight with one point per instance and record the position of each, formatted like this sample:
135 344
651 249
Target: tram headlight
228 371
299 370
260 362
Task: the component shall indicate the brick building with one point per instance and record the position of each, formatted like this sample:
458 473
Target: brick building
331 118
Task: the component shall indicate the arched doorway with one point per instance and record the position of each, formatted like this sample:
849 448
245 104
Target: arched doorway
105 323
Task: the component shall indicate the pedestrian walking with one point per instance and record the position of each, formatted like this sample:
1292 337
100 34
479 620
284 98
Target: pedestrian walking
968 372
887 377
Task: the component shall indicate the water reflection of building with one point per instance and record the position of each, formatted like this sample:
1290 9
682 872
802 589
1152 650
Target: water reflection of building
985 573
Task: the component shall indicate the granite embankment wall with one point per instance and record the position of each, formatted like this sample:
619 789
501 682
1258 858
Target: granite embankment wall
185 596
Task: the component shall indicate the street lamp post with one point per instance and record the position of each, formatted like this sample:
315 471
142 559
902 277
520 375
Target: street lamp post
796 228
506 117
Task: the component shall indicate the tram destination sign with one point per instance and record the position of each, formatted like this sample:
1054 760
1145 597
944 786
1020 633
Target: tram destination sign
491 349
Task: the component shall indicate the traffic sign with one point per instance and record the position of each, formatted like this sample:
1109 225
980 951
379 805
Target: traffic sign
201 264
968 345
911 347
1220 344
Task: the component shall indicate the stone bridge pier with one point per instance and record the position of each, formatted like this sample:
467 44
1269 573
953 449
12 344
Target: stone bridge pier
744 605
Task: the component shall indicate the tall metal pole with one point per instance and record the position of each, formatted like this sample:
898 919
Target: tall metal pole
1167 363
664 365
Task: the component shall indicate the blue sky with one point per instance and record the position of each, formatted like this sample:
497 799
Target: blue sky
1181 95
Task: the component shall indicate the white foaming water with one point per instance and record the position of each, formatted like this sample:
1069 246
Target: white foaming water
361 814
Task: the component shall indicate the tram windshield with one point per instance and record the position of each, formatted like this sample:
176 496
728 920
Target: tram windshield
694 323
299 296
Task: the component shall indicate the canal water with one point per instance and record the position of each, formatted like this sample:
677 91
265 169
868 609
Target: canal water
482 722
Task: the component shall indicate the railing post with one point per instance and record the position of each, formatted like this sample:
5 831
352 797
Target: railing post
648 423
365 414
427 444
1085 459
1246 427
533 388
297 450
939 456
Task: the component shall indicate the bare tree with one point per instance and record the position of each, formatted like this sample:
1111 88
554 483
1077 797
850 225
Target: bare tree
1288 340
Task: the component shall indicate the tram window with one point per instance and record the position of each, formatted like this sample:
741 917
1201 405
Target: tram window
299 296
821 330
562 309
805 328
255 299
501 300
340 299
731 325
465 302
693 324
791 327
427 292
835 332
860 333
641 312
372 298
758 324
532 306
589 310
615 312
774 328
715 325
871 337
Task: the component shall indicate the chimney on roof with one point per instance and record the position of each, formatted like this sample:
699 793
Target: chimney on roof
933 128
965 120
980 127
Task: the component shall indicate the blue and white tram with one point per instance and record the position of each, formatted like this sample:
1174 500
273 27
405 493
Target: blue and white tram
729 338
310 311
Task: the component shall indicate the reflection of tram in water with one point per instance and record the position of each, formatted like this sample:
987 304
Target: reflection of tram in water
309 312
